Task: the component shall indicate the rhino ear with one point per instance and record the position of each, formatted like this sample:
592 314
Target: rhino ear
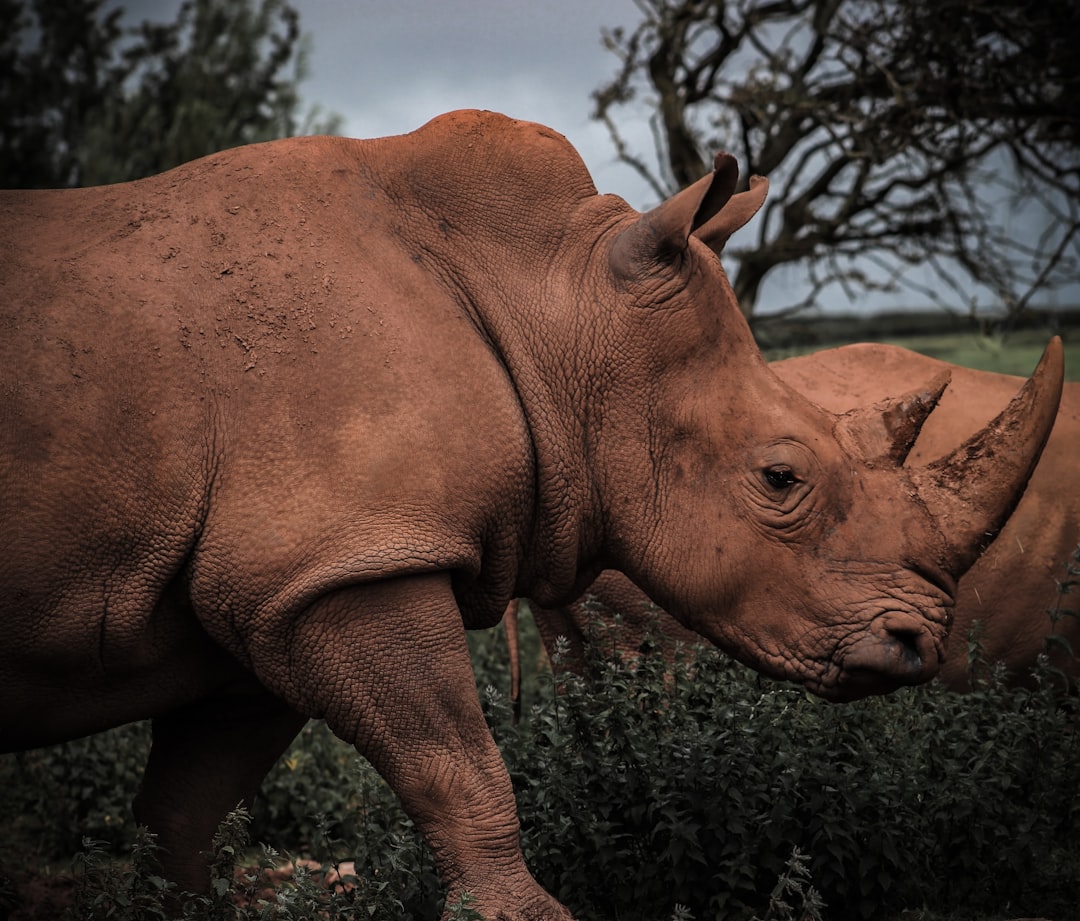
725 176
886 432
737 212
662 234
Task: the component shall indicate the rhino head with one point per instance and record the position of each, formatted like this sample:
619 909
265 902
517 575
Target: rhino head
793 538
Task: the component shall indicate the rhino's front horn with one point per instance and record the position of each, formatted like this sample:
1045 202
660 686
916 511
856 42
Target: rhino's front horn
972 491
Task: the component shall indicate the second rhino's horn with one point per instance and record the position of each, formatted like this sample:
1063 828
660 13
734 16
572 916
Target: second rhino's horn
972 491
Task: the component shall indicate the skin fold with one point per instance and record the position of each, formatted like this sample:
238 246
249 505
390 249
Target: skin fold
278 426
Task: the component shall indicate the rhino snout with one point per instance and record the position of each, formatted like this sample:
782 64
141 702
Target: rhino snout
895 652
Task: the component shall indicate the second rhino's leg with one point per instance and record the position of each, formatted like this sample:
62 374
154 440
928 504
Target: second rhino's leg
387 666
205 759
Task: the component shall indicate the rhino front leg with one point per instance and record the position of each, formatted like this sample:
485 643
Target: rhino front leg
206 758
387 666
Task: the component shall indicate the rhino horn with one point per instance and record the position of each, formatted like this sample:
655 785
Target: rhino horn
972 491
708 209
886 432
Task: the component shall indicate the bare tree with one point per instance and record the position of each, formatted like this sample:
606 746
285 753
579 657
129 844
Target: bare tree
896 133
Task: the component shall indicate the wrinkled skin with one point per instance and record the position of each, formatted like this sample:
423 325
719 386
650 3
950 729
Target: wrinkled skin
1005 596
280 424
1009 589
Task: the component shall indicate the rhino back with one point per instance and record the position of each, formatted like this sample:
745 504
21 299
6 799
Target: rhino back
211 379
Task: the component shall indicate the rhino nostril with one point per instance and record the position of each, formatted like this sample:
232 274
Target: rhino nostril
907 642
896 653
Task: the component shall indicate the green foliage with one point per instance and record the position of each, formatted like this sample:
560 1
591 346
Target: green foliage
793 897
50 798
698 793
57 67
322 799
87 100
240 890
218 77
106 889
693 789
291 802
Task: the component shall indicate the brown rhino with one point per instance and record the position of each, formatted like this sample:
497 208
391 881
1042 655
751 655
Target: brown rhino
1005 596
279 425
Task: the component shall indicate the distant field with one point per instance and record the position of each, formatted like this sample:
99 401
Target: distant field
1017 353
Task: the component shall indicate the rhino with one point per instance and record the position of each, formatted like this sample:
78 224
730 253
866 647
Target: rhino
1006 596
281 424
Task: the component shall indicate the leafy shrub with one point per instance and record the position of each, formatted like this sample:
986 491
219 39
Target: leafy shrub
693 788
694 793
319 776
239 892
50 798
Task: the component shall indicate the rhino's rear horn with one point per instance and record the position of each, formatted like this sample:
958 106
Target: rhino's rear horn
972 491
886 432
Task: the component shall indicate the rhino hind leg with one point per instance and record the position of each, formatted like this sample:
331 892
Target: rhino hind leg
205 759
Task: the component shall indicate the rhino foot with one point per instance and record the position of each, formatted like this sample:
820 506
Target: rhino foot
534 904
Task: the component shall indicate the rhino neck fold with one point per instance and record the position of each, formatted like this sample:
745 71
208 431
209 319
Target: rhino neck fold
560 395
516 247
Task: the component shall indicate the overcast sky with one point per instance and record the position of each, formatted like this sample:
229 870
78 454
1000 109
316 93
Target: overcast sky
389 66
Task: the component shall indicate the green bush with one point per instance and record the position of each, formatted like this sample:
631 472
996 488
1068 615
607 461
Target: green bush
318 777
135 889
694 788
704 792
50 798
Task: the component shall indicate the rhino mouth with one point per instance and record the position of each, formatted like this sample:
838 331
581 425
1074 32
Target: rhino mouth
897 651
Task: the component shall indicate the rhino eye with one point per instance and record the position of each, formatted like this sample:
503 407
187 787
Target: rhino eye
780 476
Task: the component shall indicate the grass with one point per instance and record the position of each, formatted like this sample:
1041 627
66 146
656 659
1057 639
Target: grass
1016 353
